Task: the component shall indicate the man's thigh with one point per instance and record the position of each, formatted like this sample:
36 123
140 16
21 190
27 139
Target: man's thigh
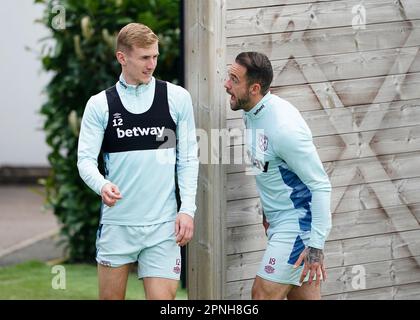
269 290
112 282
305 292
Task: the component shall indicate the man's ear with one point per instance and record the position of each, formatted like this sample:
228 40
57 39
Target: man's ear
121 58
255 89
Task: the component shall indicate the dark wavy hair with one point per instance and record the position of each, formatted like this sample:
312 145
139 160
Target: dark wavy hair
258 69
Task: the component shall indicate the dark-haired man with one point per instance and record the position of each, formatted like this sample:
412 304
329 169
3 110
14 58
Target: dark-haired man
292 184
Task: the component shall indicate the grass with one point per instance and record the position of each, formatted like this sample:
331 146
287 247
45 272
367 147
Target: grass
33 281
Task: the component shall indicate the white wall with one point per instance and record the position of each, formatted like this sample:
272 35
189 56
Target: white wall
21 82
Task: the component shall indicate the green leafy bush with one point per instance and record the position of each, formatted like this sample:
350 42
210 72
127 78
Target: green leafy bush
81 57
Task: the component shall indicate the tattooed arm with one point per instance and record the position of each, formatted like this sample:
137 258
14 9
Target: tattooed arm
313 263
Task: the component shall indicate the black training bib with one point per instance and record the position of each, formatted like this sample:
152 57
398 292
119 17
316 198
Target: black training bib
153 129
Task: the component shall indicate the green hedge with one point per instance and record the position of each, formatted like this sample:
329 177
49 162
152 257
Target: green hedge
80 54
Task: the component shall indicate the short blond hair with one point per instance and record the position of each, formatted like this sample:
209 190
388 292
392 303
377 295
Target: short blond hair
135 34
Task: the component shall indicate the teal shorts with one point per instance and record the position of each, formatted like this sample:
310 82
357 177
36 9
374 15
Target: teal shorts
286 241
153 247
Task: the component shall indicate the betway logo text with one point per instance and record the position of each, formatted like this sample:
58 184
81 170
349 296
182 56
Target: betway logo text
138 131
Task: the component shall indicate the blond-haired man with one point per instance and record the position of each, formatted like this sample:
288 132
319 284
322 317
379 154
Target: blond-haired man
145 128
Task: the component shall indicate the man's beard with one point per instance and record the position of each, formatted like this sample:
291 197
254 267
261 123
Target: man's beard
243 103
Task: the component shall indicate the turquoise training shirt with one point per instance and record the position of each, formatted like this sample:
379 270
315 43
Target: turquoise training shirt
147 176
289 175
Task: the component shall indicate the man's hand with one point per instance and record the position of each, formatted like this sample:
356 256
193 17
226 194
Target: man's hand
314 262
110 194
184 228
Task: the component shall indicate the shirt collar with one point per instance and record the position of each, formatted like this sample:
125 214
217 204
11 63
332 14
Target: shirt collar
132 89
259 108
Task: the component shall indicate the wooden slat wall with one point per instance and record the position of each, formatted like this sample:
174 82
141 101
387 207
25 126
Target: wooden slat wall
205 64
359 91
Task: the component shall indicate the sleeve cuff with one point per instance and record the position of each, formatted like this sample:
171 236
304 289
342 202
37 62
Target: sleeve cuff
316 245
101 185
316 241
187 211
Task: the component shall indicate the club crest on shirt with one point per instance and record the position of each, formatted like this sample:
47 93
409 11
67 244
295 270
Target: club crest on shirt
258 166
117 115
263 142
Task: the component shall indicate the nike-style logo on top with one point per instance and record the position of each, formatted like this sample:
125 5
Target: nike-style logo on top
258 110
138 131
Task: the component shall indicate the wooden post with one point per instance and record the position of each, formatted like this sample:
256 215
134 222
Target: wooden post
205 71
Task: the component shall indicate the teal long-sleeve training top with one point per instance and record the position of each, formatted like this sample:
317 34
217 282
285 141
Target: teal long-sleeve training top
289 175
145 177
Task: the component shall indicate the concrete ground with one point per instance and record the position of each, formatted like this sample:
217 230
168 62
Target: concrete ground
27 230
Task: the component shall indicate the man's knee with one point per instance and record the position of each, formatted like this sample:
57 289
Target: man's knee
167 294
160 289
109 295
